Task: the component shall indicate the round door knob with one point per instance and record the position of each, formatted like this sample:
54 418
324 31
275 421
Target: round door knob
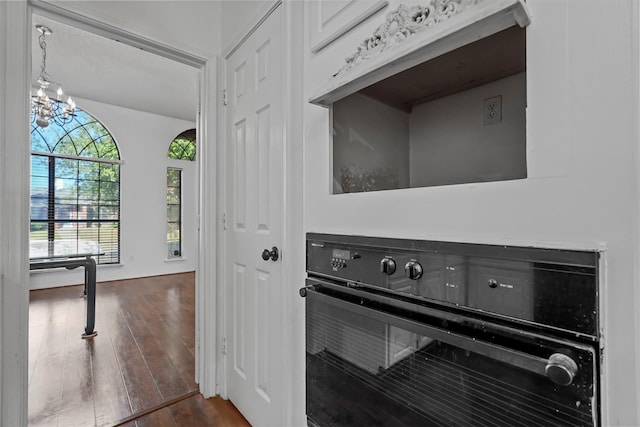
387 266
561 369
413 270
270 254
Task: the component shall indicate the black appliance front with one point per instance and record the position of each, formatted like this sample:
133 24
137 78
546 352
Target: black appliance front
388 355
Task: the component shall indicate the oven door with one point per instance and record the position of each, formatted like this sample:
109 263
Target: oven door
368 363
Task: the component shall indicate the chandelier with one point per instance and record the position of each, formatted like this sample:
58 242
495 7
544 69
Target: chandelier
43 108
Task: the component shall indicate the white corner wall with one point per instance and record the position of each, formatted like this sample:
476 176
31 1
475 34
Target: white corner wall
370 140
165 22
237 17
582 168
143 139
451 144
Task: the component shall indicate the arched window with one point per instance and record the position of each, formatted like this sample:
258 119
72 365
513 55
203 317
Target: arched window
183 146
75 190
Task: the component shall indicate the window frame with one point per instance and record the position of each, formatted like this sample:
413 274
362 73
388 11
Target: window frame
179 222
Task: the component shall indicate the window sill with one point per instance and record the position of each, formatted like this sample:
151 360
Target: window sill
180 259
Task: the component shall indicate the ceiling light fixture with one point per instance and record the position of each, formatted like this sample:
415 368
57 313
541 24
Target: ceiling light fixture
45 109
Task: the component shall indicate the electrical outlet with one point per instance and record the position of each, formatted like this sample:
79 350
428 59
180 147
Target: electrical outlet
493 110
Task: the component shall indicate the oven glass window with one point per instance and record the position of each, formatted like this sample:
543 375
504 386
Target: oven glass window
364 371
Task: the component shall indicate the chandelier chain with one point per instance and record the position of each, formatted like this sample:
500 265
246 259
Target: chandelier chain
43 45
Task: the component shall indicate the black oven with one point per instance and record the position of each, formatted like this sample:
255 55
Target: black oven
420 333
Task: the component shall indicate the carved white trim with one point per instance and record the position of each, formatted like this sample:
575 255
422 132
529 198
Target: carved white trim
411 35
403 23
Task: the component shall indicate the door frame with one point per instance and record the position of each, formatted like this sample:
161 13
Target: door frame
293 246
15 58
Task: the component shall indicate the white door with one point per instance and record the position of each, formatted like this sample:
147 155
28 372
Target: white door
254 223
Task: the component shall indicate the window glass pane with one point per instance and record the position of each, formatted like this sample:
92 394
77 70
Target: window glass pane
173 213
48 137
39 197
109 212
66 168
66 189
66 241
173 197
38 242
174 249
173 177
183 147
88 212
65 211
109 172
80 137
88 149
39 144
39 209
88 170
173 240
66 146
109 241
109 191
39 166
87 191
95 130
107 148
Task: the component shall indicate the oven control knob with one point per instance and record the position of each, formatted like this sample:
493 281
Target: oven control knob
387 266
561 369
413 270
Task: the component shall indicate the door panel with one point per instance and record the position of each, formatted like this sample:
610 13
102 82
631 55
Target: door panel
264 168
255 205
240 187
238 324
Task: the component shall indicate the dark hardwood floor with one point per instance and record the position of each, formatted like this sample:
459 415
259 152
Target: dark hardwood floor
142 357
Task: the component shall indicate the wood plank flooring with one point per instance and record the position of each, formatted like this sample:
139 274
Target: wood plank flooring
142 357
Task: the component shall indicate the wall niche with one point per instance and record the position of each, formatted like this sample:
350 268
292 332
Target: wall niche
437 96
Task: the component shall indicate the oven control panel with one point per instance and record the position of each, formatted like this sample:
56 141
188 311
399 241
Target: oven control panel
548 287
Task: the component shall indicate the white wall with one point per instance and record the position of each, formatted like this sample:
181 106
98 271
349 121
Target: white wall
190 26
581 157
451 144
143 139
237 16
370 143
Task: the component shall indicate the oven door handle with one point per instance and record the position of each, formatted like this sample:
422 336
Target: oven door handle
531 363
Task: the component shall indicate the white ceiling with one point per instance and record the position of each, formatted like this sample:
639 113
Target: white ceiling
94 67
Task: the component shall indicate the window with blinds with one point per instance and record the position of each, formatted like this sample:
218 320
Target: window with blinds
75 190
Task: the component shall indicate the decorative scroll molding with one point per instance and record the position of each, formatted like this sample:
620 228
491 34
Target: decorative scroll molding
403 23
413 35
